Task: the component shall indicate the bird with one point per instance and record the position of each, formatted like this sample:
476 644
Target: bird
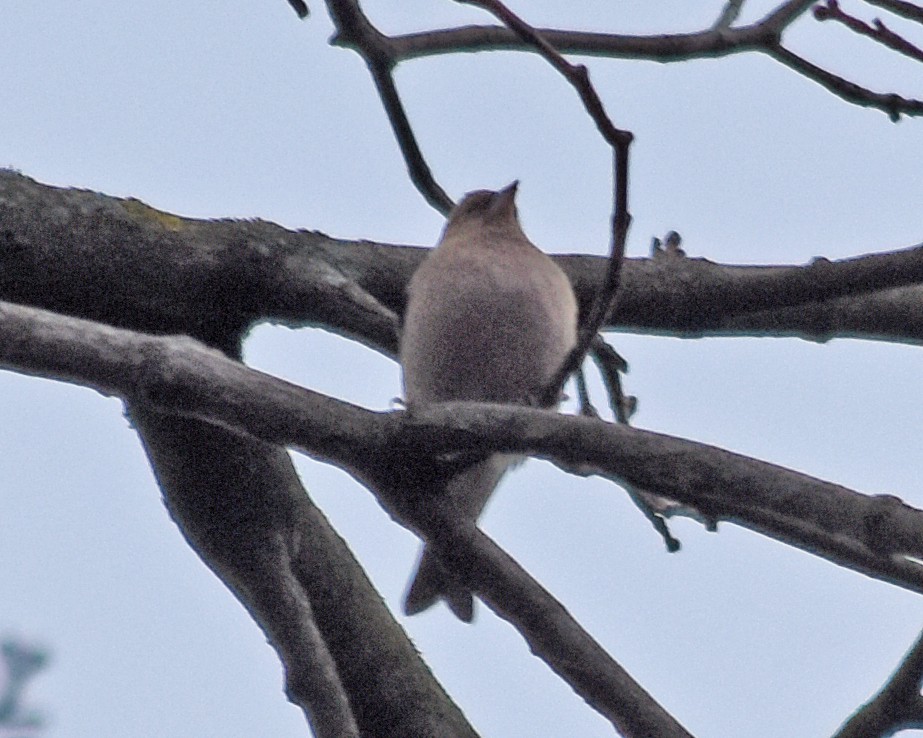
489 317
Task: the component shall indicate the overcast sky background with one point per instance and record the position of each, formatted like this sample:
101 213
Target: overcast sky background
238 109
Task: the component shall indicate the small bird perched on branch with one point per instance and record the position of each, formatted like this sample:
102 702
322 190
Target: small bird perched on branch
489 318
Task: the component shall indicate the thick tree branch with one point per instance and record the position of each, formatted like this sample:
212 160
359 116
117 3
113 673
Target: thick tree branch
550 631
133 266
126 264
241 506
877 535
152 373
702 296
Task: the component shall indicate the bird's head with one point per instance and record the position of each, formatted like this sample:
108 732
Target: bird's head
486 207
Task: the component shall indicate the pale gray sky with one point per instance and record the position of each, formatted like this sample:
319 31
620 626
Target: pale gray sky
238 109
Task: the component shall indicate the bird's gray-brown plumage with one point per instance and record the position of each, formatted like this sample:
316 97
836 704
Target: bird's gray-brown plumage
489 318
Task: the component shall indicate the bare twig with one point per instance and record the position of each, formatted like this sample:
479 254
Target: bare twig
880 32
898 706
420 173
611 366
787 13
583 396
763 36
901 8
891 103
299 7
354 30
728 15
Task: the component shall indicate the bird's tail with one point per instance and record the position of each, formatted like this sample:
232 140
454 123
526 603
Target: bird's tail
469 492
432 582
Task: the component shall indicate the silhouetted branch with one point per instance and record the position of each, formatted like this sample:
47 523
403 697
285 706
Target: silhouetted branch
880 32
153 374
355 31
299 7
901 8
720 40
729 14
898 706
877 535
21 662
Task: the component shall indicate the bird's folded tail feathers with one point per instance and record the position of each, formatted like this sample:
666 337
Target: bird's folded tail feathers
431 583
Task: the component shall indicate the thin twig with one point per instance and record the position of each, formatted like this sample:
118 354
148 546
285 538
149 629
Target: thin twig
901 8
420 173
583 396
611 366
763 36
728 15
782 17
880 32
354 30
299 7
621 219
891 103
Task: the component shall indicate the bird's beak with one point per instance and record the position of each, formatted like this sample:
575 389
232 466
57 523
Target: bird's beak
506 199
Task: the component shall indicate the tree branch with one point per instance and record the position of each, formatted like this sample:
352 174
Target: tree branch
898 706
880 32
729 14
355 31
901 8
154 374
241 506
763 36
877 535
126 264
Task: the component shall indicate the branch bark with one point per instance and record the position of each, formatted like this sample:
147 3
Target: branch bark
877 535
720 40
124 263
